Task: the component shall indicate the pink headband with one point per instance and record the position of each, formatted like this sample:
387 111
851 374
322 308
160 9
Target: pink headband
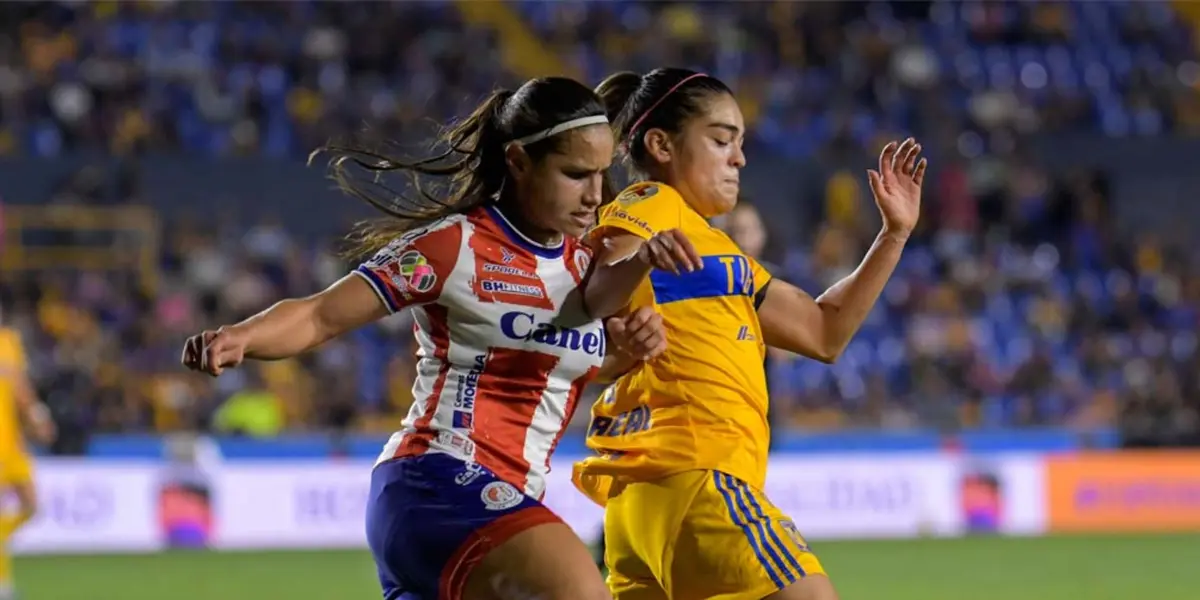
638 123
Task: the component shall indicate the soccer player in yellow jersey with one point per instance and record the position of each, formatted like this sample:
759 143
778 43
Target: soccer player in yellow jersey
682 438
18 402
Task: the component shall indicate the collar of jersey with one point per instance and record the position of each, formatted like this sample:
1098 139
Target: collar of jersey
519 238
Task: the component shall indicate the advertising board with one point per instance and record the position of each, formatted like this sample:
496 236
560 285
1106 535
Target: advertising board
95 506
1124 492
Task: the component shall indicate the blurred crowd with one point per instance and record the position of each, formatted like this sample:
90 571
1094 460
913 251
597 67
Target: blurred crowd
1018 303
279 78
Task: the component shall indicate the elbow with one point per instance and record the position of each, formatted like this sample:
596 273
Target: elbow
828 355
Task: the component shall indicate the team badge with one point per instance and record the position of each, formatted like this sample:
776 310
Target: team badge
582 261
417 271
499 495
636 194
506 255
794 533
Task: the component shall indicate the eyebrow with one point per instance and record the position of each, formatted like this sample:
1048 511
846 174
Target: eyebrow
734 129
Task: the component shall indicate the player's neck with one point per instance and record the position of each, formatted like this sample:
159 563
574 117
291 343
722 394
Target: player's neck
534 235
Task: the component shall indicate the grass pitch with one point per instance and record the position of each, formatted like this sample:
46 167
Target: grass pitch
1055 568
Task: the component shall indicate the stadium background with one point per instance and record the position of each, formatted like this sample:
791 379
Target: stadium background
1040 330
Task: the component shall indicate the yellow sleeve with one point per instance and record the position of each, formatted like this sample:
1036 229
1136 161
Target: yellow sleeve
761 276
643 209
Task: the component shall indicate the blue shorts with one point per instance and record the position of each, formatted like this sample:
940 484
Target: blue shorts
432 518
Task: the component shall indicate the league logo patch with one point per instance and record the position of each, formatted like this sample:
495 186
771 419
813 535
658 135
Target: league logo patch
499 495
417 271
637 194
794 533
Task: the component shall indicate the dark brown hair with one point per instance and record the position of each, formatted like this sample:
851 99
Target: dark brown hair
471 168
655 100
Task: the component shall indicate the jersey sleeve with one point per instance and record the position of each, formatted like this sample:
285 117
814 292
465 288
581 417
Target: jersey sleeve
762 279
643 209
412 269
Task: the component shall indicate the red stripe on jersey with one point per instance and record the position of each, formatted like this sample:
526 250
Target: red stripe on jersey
510 391
573 396
504 272
439 331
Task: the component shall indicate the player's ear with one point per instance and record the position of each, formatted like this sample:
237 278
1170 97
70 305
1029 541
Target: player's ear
659 146
518 161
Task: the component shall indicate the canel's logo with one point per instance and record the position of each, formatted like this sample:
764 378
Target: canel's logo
523 326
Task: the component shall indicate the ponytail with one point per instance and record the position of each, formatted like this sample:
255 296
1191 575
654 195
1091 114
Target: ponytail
472 162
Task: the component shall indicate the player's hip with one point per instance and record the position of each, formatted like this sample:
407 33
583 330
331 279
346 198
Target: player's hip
431 518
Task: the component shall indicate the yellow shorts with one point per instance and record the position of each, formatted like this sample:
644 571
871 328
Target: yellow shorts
16 468
700 535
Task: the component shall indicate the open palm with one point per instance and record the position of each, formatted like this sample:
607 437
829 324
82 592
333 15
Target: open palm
897 185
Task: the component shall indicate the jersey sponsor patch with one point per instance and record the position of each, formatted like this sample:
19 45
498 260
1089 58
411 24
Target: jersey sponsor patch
499 495
507 269
416 271
637 194
495 286
524 326
640 223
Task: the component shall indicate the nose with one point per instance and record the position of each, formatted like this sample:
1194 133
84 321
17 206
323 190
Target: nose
593 192
738 160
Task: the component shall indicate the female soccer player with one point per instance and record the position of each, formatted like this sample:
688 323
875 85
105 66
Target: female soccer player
683 438
19 406
503 296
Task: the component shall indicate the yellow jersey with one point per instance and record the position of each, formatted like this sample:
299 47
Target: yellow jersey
12 365
703 403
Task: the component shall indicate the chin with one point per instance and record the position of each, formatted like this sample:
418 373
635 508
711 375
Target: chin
573 230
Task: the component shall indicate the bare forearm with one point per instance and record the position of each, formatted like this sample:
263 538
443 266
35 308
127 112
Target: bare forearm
847 303
610 287
284 330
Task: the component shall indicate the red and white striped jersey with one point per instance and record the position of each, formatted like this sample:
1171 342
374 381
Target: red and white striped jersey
505 345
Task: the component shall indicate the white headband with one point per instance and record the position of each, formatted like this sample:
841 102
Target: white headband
561 127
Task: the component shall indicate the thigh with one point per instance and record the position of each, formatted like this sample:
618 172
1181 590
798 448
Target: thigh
544 562
641 526
735 544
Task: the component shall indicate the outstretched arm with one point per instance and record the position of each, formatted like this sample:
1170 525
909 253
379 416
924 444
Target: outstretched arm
410 271
821 329
288 328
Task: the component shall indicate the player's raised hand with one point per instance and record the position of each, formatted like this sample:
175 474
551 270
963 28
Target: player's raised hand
897 185
214 351
639 334
671 251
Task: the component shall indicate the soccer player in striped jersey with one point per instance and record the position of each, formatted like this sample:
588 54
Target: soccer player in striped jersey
505 299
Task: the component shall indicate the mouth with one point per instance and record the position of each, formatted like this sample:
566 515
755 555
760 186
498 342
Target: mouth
583 218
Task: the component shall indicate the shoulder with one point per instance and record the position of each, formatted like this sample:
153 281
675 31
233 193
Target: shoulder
438 239
643 209
643 191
